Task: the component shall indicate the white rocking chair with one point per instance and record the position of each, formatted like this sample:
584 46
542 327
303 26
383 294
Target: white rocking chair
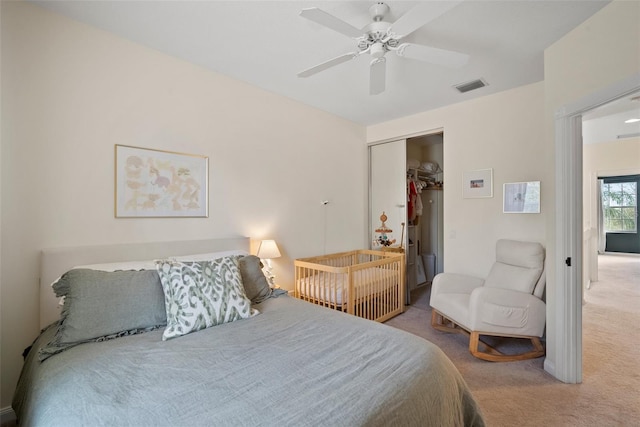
508 303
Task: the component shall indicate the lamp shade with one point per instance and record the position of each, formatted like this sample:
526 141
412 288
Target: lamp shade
268 250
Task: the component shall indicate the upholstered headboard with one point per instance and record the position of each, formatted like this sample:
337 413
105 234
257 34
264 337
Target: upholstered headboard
56 261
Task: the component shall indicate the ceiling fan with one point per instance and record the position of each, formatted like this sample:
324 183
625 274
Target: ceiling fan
380 37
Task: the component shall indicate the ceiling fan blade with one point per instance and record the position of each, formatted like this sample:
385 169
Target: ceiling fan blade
328 64
378 76
448 58
420 15
323 18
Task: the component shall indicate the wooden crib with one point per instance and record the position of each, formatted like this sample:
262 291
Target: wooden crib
365 283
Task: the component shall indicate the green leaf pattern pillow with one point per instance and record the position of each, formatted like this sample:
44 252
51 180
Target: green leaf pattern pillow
201 294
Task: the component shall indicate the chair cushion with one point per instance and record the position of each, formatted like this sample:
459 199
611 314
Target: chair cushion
521 254
507 276
518 266
502 311
454 307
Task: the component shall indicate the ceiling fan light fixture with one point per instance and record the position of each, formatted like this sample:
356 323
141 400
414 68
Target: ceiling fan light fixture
472 85
377 50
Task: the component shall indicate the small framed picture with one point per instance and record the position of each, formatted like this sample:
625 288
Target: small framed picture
153 183
477 183
521 197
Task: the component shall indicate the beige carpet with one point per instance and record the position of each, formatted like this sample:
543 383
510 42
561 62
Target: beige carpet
523 394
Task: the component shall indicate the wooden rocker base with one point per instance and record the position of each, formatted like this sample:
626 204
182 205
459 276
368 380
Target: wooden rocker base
441 323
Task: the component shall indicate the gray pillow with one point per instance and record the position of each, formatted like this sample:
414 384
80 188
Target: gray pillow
255 284
102 305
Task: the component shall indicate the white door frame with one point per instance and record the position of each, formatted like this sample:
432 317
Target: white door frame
567 345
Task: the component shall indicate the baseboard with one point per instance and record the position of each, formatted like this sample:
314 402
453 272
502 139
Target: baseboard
7 415
549 366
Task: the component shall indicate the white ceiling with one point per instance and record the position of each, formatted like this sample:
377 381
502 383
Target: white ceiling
608 123
266 43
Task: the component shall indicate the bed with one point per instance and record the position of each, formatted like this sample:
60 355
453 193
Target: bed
287 363
365 283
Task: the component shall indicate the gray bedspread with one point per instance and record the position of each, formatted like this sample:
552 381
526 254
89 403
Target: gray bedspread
295 364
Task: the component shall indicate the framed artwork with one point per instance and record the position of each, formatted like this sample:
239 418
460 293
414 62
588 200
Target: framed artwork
477 183
153 183
521 197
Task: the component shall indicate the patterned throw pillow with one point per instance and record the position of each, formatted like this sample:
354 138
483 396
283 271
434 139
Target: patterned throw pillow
201 294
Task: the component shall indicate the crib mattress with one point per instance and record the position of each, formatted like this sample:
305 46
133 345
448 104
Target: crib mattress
331 287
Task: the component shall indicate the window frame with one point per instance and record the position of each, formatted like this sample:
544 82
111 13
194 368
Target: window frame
620 208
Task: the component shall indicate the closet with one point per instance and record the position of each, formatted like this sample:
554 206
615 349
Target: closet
406 183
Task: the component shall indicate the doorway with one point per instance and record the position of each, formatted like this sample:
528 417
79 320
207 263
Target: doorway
564 359
406 187
425 173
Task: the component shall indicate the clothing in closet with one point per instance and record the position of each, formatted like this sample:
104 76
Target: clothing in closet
414 201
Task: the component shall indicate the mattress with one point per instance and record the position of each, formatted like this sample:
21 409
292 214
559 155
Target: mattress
330 287
295 364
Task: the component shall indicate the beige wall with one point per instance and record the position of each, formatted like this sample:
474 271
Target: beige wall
504 132
603 50
70 92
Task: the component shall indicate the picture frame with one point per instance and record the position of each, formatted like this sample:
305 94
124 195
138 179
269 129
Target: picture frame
160 184
477 184
521 197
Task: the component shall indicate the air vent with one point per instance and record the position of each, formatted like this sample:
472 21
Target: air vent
472 85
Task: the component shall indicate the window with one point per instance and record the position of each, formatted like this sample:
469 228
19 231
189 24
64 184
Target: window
620 205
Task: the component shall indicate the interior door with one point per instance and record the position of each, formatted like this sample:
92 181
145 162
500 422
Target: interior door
387 188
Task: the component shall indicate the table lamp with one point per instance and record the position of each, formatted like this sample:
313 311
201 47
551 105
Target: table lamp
267 251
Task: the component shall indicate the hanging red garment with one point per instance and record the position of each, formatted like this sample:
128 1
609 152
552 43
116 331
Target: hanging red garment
412 193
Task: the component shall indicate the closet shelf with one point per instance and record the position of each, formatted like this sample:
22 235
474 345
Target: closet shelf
423 173
429 178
